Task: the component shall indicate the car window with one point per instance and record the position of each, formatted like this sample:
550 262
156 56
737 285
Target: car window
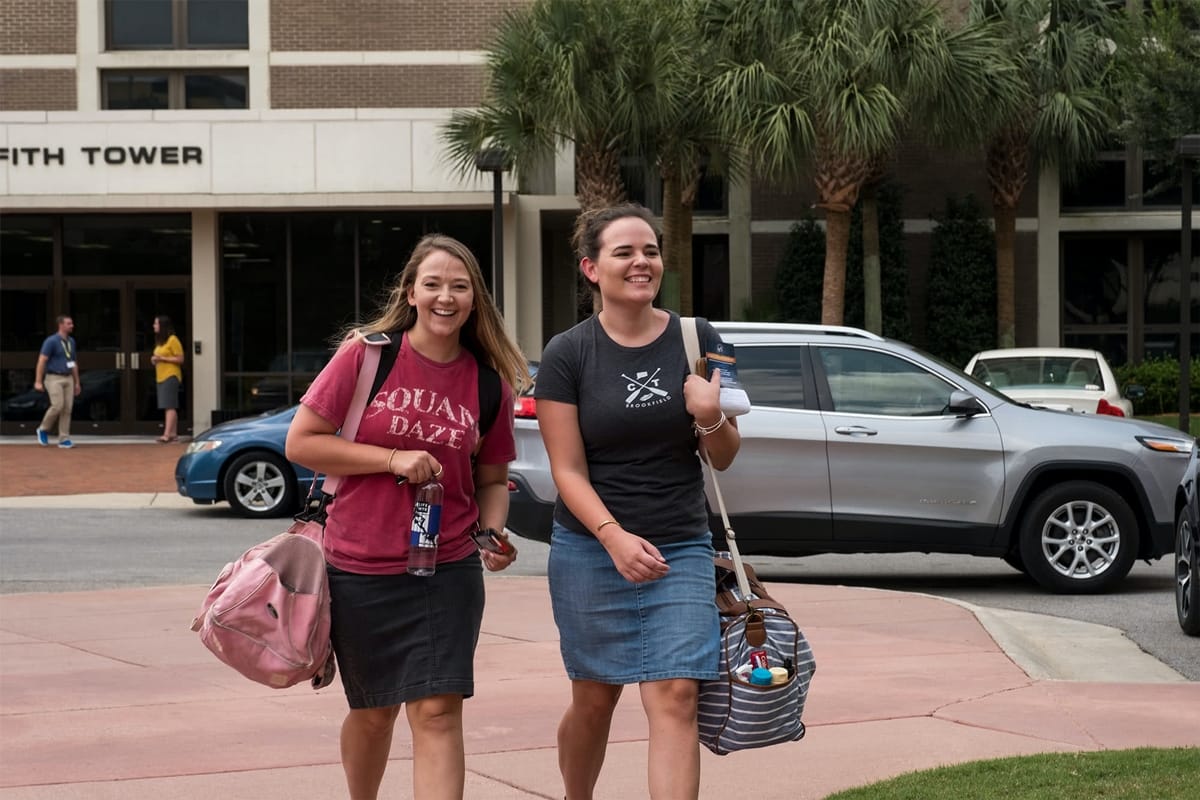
869 382
771 375
1035 371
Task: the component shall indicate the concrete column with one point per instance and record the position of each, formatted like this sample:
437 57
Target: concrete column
206 318
89 43
1049 280
740 261
259 73
525 318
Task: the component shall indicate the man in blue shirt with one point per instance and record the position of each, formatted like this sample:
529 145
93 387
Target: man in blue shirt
57 374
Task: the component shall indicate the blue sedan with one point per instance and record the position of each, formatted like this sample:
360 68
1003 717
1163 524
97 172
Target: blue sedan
242 462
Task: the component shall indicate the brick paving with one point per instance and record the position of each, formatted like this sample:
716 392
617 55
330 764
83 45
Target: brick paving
87 468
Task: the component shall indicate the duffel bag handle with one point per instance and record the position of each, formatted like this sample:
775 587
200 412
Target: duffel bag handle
691 345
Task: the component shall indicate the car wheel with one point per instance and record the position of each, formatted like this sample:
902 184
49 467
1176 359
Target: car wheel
1187 576
1079 537
260 484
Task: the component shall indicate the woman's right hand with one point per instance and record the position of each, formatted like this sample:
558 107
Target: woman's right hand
636 559
416 466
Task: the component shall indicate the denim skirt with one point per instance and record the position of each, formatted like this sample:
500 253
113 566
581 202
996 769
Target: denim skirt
616 632
404 637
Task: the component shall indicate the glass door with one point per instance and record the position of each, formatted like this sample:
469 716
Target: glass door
114 321
97 312
25 322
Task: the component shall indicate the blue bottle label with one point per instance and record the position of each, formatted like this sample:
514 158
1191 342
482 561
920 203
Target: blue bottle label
427 520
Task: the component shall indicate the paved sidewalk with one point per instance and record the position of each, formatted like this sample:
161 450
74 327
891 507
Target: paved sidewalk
107 694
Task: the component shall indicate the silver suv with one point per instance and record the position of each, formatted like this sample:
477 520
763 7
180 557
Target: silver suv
857 444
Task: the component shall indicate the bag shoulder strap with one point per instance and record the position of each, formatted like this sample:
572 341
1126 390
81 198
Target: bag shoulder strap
691 346
371 376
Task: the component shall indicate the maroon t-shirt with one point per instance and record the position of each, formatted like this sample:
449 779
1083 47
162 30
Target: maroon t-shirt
422 405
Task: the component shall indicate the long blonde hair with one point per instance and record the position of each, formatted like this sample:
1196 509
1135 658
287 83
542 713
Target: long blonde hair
483 333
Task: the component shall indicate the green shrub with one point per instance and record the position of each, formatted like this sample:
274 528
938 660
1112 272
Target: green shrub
962 283
893 266
1160 378
801 271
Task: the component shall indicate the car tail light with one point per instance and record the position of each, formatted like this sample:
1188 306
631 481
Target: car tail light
525 408
1105 407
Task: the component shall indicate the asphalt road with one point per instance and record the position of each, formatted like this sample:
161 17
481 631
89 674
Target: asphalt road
49 550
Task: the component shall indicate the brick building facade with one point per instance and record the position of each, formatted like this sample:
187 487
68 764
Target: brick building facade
260 169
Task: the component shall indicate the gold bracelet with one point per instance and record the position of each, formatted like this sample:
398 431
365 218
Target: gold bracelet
606 522
391 455
705 431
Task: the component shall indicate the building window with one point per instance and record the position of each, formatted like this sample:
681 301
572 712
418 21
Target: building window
144 89
1121 294
643 185
177 24
290 282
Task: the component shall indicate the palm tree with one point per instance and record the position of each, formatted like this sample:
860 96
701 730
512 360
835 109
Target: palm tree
947 73
684 138
822 88
1062 50
557 73
615 78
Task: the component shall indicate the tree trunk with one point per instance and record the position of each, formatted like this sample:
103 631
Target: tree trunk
1008 172
872 282
687 269
838 180
598 184
1006 267
674 267
833 289
597 177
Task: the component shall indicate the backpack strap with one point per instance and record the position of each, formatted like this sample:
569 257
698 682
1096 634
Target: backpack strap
377 363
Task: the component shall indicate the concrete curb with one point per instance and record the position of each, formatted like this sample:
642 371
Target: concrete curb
107 500
1054 648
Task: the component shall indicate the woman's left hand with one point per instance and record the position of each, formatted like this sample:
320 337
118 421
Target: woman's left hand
498 561
703 397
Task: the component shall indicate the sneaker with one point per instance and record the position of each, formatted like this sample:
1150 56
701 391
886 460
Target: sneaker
43 439
65 444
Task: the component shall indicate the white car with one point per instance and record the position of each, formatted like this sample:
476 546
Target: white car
1060 378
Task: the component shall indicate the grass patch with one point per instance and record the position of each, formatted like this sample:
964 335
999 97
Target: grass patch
1162 774
1172 421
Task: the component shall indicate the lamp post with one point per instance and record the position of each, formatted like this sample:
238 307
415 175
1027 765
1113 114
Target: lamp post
1189 149
495 160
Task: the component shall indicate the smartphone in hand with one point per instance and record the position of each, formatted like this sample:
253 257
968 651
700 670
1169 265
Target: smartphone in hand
488 539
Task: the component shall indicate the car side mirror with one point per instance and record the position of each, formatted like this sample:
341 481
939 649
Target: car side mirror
1135 391
964 404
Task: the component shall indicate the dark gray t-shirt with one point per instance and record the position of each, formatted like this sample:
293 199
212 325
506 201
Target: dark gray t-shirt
637 434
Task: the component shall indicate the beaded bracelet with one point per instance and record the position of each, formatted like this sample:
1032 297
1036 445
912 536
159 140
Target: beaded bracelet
705 431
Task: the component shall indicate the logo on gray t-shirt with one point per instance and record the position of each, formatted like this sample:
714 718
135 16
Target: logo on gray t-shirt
644 389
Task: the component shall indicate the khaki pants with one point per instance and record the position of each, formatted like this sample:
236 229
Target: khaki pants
61 389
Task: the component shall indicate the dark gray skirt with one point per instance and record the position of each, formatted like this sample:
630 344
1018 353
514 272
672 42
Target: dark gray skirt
168 393
403 637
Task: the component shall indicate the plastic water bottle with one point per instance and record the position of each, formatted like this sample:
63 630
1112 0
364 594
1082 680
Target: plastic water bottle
426 524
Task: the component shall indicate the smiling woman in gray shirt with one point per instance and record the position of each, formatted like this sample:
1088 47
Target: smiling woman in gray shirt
631 572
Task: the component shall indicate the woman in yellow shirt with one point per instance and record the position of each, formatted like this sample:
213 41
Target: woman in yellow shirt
168 372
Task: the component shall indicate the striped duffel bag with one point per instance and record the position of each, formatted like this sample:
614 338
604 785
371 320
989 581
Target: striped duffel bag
734 713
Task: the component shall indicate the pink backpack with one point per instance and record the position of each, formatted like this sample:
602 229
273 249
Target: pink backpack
267 615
